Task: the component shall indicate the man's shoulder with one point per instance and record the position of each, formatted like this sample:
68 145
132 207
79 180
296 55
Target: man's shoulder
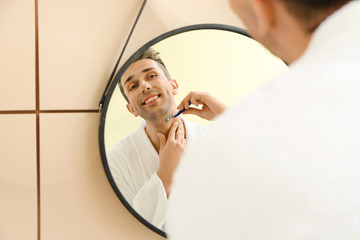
129 142
192 124
193 127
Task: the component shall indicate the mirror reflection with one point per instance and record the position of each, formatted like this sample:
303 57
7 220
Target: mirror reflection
141 160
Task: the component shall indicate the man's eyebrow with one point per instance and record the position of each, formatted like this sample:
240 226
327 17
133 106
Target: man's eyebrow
132 76
128 79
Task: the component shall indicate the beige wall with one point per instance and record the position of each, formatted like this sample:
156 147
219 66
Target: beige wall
52 184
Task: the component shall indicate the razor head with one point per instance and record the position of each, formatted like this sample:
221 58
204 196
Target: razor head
175 115
169 117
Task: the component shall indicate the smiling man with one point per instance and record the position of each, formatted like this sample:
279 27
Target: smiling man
143 163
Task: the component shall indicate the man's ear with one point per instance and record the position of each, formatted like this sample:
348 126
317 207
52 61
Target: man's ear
265 15
174 86
131 110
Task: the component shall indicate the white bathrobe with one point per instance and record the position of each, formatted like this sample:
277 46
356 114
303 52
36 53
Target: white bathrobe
133 163
284 164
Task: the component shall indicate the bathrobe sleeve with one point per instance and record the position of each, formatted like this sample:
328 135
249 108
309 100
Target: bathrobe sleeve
133 163
151 201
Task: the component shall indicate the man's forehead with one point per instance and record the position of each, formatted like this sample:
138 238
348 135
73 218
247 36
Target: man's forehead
138 67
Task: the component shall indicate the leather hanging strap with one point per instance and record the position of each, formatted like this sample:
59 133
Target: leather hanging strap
121 54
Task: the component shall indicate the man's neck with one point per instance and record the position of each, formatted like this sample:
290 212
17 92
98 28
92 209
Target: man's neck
153 128
293 46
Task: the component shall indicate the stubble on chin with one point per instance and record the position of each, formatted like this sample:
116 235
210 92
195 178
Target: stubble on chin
156 115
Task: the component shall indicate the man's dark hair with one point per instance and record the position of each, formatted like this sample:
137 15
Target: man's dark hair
153 55
312 12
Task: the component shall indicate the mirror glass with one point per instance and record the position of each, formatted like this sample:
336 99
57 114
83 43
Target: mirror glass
223 62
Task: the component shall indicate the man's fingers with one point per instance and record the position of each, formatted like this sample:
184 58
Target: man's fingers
194 111
162 140
184 101
180 132
192 97
184 143
184 104
181 106
173 130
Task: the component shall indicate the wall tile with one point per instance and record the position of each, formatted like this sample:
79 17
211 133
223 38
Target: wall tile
18 188
161 16
80 42
17 58
77 200
78 51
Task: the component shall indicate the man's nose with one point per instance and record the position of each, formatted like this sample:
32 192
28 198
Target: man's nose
145 86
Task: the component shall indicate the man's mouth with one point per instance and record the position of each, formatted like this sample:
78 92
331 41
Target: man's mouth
151 99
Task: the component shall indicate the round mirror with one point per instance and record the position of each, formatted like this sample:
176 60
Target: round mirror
219 59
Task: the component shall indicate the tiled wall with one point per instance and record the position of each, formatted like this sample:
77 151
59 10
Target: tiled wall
55 59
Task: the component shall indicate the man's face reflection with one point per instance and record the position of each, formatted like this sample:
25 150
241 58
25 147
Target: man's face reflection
150 93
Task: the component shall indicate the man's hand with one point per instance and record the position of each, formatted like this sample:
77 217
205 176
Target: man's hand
171 150
211 107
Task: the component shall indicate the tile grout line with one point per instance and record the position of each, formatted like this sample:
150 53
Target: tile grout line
17 112
37 107
38 174
49 111
37 113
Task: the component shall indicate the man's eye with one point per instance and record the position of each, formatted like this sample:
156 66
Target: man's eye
151 76
132 87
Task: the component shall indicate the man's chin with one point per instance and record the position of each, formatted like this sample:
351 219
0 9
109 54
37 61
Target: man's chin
155 116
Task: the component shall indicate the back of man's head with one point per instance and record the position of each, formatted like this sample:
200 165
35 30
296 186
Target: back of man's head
312 12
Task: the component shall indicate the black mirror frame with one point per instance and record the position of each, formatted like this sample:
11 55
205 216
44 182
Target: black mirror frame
112 87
